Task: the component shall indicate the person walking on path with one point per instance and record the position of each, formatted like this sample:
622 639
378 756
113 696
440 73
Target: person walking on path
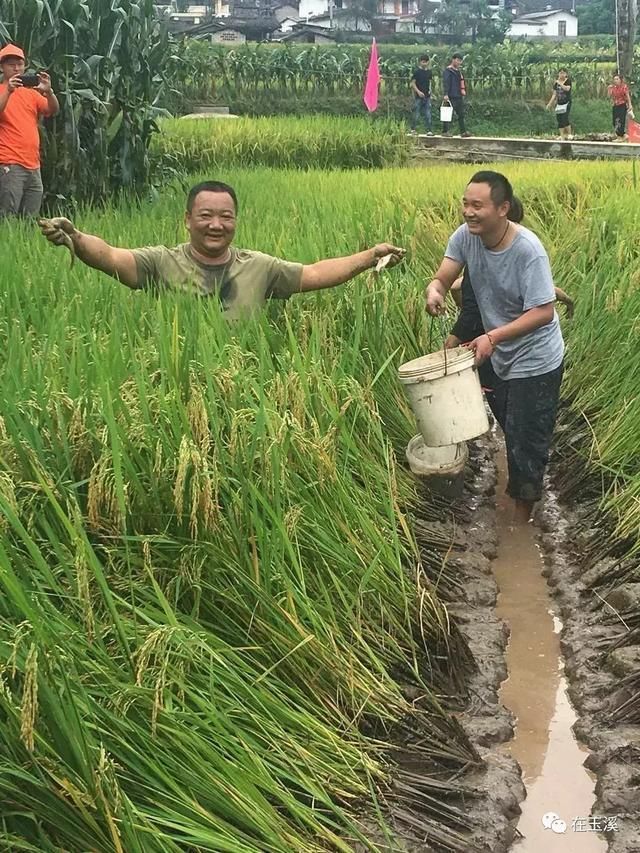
21 107
208 265
561 102
421 82
511 277
454 92
621 100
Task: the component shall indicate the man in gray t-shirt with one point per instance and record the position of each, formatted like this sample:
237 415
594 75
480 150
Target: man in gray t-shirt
512 281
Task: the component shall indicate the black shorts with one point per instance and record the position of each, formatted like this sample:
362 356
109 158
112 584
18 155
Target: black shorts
563 118
526 410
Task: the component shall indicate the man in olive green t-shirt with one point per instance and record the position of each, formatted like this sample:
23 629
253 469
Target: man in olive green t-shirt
208 265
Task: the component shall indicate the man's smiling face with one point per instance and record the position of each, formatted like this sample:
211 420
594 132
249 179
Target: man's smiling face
212 223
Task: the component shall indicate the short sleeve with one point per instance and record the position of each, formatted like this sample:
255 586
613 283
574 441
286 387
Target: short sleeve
285 278
537 283
42 106
456 247
413 76
148 262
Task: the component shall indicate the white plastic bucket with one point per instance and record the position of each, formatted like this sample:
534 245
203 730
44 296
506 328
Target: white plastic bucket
446 398
445 461
446 114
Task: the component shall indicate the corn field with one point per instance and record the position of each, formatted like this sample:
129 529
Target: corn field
107 61
212 591
518 71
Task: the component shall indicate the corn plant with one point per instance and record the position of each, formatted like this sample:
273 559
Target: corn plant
107 61
206 72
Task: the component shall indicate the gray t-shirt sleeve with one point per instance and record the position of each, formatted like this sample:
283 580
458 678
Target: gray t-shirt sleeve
457 246
537 283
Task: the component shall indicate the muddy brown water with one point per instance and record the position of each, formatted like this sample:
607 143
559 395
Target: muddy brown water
535 691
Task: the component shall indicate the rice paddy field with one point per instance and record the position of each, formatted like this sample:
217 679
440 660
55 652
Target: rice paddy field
218 578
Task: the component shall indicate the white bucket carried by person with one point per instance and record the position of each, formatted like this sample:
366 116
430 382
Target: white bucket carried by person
446 113
446 397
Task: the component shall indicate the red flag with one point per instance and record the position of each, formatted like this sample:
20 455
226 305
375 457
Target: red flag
372 80
633 131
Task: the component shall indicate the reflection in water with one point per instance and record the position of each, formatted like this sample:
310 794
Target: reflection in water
550 757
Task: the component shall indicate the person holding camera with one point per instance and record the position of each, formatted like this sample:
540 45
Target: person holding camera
24 98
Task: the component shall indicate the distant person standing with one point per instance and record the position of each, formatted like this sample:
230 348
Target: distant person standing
561 102
454 92
621 100
421 82
23 99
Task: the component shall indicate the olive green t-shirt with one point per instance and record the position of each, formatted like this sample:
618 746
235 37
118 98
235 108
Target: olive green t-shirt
243 285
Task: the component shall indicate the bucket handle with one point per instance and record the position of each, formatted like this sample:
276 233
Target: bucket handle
443 332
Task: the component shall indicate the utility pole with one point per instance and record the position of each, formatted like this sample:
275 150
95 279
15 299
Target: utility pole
626 18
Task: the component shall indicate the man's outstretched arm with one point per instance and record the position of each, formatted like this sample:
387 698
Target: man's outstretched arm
93 251
334 271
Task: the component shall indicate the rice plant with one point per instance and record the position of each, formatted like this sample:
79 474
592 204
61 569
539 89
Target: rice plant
312 142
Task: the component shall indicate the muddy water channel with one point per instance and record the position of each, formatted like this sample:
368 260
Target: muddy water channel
551 759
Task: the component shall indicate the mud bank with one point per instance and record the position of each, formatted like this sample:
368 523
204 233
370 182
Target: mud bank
486 720
495 789
593 674
594 623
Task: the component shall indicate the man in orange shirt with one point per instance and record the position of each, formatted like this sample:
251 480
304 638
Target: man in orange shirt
20 109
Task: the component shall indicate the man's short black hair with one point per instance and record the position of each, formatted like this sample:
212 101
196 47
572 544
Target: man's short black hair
501 189
424 58
457 56
516 211
210 187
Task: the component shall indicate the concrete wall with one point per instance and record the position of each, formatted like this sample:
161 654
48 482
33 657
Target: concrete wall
312 7
228 37
410 26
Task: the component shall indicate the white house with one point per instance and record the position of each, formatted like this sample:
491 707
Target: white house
398 7
286 12
311 8
552 24
342 20
288 24
410 24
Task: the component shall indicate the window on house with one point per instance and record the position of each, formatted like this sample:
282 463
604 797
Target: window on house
405 7
562 28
